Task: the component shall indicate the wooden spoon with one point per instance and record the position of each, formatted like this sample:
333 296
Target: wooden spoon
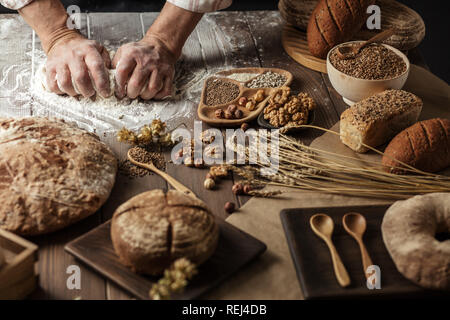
323 226
355 224
350 51
172 181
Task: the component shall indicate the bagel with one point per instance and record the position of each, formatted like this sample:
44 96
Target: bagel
409 228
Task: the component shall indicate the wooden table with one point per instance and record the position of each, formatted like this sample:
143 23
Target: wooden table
221 40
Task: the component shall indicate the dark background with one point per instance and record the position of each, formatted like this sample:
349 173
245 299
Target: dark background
435 13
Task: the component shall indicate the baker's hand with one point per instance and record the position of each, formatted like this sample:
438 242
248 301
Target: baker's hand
77 61
145 69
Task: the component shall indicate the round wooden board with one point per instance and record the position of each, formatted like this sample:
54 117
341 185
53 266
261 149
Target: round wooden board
295 44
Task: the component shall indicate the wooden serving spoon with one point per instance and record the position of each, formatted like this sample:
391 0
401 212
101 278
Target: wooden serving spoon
323 226
172 181
350 51
355 224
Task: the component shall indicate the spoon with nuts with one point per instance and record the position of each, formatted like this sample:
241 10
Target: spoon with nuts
171 180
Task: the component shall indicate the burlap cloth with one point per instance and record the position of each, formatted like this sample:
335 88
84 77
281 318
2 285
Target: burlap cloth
272 276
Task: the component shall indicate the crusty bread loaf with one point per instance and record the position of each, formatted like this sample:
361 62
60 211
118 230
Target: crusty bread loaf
333 22
425 146
376 119
153 229
52 174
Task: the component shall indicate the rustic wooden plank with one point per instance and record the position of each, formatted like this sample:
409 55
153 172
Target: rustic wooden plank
19 39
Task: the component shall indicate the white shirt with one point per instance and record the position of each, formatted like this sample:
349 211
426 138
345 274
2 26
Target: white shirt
191 5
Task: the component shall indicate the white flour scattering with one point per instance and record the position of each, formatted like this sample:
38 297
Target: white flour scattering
104 115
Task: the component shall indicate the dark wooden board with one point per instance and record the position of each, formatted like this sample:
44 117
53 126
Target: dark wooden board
313 263
235 249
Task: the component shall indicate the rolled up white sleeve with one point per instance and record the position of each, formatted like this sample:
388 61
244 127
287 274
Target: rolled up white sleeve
201 5
15 4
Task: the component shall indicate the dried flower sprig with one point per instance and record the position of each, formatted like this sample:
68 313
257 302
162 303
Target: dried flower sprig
153 134
175 279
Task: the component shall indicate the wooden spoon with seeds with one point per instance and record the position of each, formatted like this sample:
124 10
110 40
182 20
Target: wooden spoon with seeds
323 226
350 51
171 180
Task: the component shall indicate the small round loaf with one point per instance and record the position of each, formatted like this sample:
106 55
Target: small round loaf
52 174
409 228
154 228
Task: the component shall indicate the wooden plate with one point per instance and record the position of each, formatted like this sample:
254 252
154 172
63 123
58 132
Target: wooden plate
265 124
206 113
313 263
235 249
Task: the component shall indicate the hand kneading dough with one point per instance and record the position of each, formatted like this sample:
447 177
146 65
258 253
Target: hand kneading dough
52 174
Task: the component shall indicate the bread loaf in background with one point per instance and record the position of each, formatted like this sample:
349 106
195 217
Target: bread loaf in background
333 22
376 119
425 146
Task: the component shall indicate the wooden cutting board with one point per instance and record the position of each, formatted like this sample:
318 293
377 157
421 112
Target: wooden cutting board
235 249
313 263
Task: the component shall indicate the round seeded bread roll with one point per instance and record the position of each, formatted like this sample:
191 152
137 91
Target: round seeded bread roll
52 174
409 231
154 228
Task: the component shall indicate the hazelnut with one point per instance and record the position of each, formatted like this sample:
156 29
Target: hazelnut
188 162
244 126
209 184
247 188
232 108
219 113
229 207
259 96
250 105
237 188
242 101
238 114
228 115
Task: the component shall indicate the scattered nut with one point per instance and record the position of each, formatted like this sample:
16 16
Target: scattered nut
219 171
210 176
250 105
209 184
238 114
228 114
219 113
232 108
247 188
230 207
237 188
244 126
242 101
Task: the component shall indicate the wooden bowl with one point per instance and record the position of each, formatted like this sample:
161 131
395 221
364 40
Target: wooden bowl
355 89
206 113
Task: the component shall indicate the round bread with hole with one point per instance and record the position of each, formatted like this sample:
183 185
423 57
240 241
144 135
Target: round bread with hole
52 174
409 231
153 229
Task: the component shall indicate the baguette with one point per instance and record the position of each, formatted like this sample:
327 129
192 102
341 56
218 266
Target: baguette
376 119
425 146
333 22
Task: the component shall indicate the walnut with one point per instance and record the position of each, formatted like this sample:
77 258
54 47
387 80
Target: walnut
219 171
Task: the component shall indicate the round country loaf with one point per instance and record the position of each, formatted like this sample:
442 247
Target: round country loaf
52 174
154 228
409 231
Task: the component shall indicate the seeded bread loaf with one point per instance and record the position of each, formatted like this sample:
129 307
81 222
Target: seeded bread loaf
333 22
376 119
52 174
153 229
425 146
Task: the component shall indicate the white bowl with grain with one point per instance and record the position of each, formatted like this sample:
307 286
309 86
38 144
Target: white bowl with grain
354 89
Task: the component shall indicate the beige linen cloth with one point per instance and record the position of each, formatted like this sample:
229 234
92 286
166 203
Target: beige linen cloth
272 276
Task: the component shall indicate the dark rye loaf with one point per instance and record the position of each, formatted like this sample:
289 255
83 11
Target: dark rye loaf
153 229
425 146
52 174
333 22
